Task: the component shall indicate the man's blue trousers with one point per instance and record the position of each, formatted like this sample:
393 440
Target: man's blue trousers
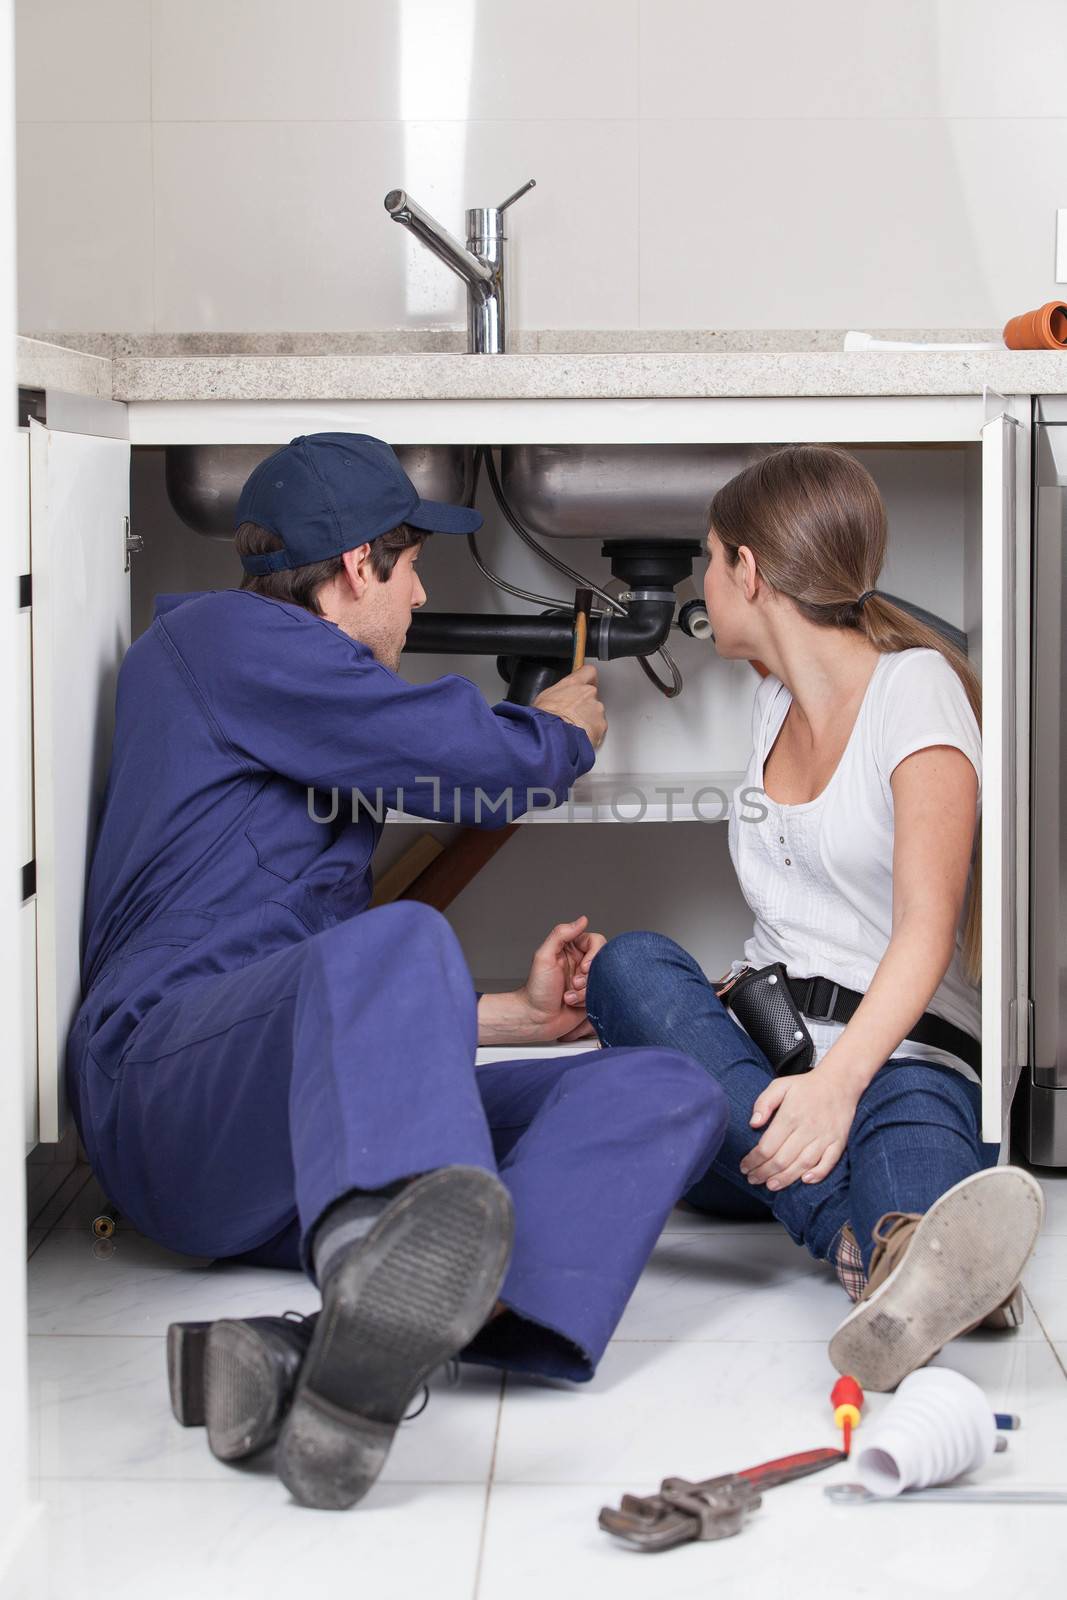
243 1103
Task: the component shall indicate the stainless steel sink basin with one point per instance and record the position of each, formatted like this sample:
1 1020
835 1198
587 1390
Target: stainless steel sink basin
204 481
618 491
602 491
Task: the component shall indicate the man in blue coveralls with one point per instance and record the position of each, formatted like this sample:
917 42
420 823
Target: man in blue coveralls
264 1069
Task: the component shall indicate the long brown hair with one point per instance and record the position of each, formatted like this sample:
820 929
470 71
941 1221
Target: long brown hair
816 524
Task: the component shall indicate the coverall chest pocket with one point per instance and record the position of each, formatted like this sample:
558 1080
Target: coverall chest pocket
284 832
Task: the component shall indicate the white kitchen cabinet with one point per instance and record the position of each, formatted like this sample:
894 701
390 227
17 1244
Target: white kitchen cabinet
79 507
981 555
23 747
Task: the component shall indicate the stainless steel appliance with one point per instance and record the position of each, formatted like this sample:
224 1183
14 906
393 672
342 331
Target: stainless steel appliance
1044 1104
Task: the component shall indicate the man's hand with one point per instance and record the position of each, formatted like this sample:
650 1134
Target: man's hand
576 699
550 1007
812 1113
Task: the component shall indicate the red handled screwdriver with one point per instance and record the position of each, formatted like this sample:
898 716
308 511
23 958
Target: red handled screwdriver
846 1397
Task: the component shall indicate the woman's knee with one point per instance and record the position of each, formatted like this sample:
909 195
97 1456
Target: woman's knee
631 964
922 1092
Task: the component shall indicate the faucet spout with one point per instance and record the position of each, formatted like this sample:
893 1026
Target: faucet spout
477 274
481 262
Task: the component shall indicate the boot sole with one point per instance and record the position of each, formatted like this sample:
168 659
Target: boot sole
965 1257
186 1346
244 1391
402 1302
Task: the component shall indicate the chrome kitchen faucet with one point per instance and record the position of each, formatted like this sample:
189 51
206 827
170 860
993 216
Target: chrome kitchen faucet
480 263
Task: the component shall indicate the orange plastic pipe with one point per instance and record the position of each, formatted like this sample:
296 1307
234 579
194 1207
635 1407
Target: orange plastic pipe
1043 329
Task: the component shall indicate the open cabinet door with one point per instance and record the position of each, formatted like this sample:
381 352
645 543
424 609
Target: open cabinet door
23 753
1005 765
79 509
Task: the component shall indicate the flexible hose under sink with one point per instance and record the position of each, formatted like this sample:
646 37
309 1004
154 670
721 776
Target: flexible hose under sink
669 691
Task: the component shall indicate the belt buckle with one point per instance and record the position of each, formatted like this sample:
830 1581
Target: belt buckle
807 1009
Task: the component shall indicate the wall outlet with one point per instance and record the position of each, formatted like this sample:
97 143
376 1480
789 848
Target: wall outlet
1061 246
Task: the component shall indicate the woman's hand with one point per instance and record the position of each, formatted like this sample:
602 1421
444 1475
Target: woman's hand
812 1113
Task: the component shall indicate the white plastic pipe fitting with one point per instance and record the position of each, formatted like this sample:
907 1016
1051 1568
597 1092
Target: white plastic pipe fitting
692 612
938 1426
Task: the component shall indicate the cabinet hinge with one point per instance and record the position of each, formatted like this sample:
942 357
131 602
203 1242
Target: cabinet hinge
133 543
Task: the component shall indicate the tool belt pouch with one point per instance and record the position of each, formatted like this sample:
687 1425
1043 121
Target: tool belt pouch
762 1003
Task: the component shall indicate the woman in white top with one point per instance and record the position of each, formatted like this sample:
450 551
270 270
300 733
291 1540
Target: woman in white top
854 839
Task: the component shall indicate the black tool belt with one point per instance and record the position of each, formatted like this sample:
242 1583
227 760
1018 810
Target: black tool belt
771 1005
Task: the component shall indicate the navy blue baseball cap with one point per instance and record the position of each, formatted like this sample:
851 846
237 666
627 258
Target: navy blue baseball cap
324 493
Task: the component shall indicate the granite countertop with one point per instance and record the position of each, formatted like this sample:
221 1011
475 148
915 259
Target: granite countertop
432 364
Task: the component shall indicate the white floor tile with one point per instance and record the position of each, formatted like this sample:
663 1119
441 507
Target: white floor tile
86 1205
545 1541
128 1285
1046 1284
748 1282
694 1410
655 1409
57 1205
753 1285
99 1409
1055 1203
44 1179
246 1540
720 1361
1023 1376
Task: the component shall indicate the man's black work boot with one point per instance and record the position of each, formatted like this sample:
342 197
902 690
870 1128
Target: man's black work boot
237 1376
397 1301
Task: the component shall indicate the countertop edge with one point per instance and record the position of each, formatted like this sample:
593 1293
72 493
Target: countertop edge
588 377
549 376
53 366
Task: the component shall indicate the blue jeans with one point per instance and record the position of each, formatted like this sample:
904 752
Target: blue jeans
915 1132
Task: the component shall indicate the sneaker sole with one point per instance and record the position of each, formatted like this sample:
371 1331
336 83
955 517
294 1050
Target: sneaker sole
402 1302
965 1257
243 1392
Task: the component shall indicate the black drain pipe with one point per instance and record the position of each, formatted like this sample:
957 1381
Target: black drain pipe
536 651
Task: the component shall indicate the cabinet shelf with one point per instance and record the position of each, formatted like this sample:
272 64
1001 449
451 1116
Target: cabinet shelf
629 797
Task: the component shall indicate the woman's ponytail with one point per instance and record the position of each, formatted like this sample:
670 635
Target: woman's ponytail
815 521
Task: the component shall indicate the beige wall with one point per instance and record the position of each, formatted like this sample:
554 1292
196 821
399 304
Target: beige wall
195 165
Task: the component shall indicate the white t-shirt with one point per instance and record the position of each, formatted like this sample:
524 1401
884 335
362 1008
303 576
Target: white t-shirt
818 877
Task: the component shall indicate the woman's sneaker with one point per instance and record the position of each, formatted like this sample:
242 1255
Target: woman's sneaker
936 1276
847 1262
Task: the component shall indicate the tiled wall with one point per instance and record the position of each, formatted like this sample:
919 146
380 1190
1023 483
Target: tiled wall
190 165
